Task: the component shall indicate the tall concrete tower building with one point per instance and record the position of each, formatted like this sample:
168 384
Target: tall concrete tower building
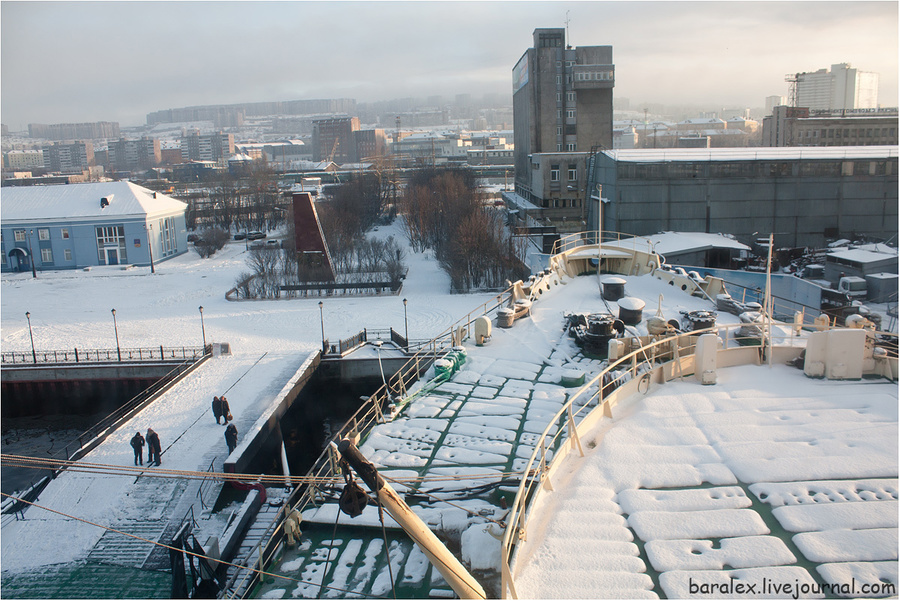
562 101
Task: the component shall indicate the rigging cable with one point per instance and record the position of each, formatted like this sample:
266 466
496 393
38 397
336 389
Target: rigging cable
165 546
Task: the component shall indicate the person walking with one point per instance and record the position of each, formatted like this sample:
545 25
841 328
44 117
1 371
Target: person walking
137 443
217 408
226 412
153 447
231 435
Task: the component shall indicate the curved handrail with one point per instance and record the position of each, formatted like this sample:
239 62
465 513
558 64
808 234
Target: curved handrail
589 238
536 468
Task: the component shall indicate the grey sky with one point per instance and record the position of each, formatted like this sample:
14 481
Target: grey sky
118 61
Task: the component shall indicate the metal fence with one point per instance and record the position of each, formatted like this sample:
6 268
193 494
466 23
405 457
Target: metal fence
76 355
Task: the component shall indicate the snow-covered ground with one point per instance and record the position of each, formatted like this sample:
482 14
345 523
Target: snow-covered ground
269 341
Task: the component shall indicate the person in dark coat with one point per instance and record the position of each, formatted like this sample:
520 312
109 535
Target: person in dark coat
226 412
137 443
231 435
153 447
217 408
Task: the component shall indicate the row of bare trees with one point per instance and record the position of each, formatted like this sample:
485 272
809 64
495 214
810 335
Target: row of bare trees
238 204
444 212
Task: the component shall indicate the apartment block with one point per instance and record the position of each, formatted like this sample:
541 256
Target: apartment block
212 147
68 158
130 155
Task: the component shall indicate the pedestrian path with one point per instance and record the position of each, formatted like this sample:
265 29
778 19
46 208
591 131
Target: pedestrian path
148 507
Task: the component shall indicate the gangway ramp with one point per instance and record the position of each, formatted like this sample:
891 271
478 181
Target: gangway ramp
191 441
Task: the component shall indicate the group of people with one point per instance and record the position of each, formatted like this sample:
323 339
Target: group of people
220 410
154 449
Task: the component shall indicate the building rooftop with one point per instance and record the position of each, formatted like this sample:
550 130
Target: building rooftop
752 154
82 201
680 242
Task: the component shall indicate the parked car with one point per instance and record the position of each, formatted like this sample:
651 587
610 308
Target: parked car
255 235
257 245
240 236
273 243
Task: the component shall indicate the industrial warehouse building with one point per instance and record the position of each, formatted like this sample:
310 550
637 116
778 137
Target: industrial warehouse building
84 225
804 196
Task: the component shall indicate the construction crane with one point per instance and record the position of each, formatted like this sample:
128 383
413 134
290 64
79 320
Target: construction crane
334 147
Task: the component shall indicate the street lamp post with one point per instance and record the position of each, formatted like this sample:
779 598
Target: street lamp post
405 324
202 329
116 328
150 248
30 335
31 252
322 321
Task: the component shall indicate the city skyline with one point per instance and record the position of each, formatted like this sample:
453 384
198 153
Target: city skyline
118 61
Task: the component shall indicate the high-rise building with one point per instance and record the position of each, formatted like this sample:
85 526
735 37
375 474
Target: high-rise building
333 139
72 131
839 89
562 103
128 155
213 147
68 158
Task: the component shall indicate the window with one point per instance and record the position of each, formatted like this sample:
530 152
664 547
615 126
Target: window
46 255
570 147
67 253
65 233
559 148
559 96
20 235
559 130
558 79
573 173
111 244
570 96
3 261
570 113
554 173
43 234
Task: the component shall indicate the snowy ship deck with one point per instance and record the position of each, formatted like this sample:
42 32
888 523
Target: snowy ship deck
466 440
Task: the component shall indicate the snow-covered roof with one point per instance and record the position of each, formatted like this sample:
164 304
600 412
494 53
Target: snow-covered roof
674 243
751 154
82 201
859 255
701 121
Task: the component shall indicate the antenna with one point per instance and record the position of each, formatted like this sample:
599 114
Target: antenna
568 45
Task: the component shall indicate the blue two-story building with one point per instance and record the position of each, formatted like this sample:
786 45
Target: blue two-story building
83 225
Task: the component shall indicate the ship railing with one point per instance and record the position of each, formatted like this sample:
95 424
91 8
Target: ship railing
207 483
589 238
77 355
654 363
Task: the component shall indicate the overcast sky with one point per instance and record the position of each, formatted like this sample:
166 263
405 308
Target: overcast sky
118 61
